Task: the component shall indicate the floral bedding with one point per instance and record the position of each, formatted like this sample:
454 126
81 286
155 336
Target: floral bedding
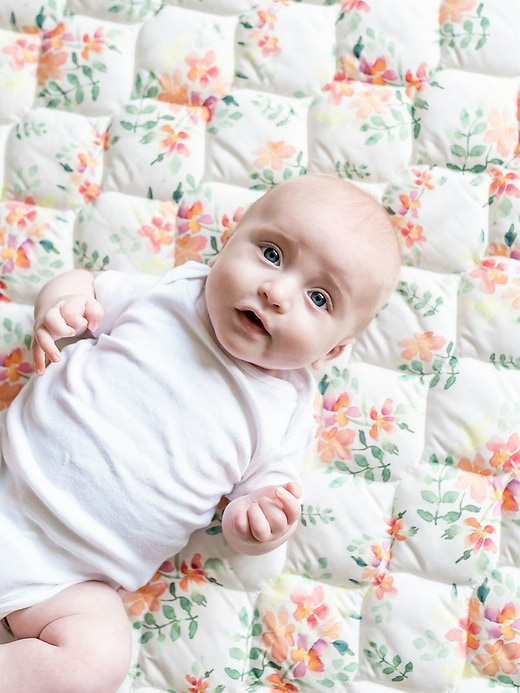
133 135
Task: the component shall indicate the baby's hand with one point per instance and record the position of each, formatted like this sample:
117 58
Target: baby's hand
262 520
70 316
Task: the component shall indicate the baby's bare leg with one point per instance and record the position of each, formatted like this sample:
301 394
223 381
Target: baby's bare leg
76 642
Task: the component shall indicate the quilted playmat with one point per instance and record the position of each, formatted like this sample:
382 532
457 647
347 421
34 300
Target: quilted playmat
133 134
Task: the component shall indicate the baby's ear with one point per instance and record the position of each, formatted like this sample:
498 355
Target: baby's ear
332 354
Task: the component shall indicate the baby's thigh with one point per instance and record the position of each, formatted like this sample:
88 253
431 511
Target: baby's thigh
87 620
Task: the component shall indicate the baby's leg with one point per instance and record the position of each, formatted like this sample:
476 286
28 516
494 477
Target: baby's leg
76 642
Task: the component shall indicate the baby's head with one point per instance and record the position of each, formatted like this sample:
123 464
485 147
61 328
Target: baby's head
307 268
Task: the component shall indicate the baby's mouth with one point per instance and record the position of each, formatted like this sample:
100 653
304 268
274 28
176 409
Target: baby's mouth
252 321
253 317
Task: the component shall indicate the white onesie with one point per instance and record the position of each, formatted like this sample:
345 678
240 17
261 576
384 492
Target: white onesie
121 450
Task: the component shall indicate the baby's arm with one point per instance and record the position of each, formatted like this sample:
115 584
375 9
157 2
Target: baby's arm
262 520
65 307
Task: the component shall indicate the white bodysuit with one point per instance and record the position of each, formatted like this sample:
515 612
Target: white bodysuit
121 450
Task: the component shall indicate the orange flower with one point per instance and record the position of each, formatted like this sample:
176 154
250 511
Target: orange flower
269 45
101 140
340 87
409 203
504 183
13 365
23 52
193 218
479 538
395 525
174 90
423 178
202 69
89 191
279 634
416 82
424 345
454 10
146 598
174 141
341 408
87 160
310 607
412 234
465 636
511 497
274 155
334 444
383 585
53 40
477 480
372 100
492 272
503 132
308 658
499 657
506 621
7 393
506 455
382 421
20 214
159 233
355 5
514 291
266 19
279 686
189 247
193 573
50 66
197 685
14 255
378 72
94 43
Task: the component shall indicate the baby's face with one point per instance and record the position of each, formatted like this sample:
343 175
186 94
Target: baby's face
283 293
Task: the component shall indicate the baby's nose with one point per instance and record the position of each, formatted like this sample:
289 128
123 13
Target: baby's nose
277 294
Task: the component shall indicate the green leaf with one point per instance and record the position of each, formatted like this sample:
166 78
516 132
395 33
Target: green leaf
374 139
149 619
168 612
429 497
236 653
458 151
426 516
175 631
477 150
232 673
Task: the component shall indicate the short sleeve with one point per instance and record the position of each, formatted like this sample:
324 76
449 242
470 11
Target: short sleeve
116 291
284 465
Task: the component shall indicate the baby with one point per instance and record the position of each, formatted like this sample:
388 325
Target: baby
182 390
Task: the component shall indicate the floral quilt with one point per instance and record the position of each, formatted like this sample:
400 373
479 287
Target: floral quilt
133 135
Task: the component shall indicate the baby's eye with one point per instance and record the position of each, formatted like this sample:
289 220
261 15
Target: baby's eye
318 298
271 255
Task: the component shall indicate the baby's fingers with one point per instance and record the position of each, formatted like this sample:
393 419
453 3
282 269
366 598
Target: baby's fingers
93 313
60 322
261 520
290 503
43 346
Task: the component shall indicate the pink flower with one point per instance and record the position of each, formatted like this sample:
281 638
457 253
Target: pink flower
503 132
202 69
310 607
492 273
159 233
